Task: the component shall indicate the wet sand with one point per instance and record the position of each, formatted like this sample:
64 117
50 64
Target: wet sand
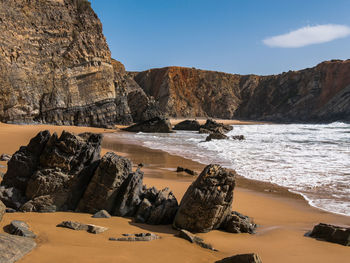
283 218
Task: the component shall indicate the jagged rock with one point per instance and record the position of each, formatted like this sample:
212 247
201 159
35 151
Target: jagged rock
157 124
12 197
215 127
208 200
157 207
80 226
13 248
24 162
73 225
5 157
104 186
188 125
238 223
2 210
136 237
20 228
331 233
56 66
186 170
102 214
93 229
129 195
241 258
238 137
195 239
216 136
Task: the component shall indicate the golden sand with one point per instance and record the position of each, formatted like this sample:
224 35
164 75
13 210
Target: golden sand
282 217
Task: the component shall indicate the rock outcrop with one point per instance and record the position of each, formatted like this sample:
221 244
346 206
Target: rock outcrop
157 124
238 223
66 173
56 66
13 248
207 202
188 125
331 233
318 94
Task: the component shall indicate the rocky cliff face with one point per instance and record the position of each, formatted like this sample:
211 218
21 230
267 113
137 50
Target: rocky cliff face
319 94
56 66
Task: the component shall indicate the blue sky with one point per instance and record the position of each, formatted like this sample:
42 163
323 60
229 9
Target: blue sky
224 35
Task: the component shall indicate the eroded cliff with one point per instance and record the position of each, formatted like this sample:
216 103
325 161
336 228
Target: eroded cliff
319 94
55 65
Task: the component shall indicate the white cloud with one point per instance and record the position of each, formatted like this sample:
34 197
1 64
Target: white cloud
308 35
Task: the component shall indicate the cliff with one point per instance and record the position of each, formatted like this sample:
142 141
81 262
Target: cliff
319 94
56 66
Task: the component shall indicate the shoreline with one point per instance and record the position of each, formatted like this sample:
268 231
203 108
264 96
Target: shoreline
283 218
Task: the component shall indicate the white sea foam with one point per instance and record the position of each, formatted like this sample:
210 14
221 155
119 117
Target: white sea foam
313 160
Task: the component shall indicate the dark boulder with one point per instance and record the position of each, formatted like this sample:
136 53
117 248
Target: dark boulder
13 248
19 228
104 186
2 210
188 125
102 214
241 258
207 202
238 137
238 223
157 124
213 126
186 170
157 207
216 136
12 197
331 233
25 162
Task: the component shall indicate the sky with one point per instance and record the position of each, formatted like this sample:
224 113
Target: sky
235 36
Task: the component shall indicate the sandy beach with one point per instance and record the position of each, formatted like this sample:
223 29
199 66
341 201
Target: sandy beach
283 217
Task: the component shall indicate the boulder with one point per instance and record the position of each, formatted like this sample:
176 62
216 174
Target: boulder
103 188
136 237
238 137
102 214
188 125
214 126
2 210
13 248
157 207
207 202
157 124
19 228
186 170
241 258
238 223
332 233
195 239
93 229
5 157
216 136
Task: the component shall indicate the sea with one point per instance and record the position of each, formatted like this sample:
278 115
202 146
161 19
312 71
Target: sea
309 159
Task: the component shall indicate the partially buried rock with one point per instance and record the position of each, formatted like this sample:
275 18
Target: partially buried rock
186 170
2 210
20 228
102 214
195 239
241 258
136 237
5 157
207 202
13 248
157 124
238 137
188 125
238 223
331 233
80 226
216 136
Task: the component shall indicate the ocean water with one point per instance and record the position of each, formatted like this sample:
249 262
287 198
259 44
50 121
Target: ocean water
312 160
